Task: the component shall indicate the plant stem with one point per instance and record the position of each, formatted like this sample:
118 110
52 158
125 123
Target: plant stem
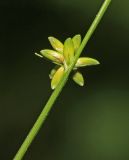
35 129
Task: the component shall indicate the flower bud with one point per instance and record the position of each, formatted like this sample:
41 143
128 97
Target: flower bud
68 51
76 41
57 77
56 44
78 78
52 55
86 61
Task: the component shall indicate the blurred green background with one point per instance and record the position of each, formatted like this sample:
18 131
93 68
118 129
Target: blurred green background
85 123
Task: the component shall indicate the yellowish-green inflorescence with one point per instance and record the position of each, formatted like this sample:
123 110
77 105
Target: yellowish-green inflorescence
63 55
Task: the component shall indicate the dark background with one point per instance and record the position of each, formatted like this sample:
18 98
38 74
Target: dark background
91 122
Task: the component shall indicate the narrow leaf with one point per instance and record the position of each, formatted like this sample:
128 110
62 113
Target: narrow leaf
86 61
56 44
76 41
52 55
68 50
57 77
78 78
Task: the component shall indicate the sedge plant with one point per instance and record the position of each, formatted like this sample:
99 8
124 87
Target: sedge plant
66 57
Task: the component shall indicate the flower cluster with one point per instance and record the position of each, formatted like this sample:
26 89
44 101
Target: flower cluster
63 55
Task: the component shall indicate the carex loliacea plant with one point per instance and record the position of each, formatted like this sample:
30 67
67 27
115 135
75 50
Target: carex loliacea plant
63 56
66 57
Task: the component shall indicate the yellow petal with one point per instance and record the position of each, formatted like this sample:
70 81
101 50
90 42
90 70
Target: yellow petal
56 44
76 41
86 61
57 77
68 51
52 55
78 78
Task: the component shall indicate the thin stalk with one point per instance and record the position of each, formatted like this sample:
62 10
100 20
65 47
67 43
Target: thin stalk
35 129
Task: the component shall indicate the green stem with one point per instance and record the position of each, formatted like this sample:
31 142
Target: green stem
35 129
